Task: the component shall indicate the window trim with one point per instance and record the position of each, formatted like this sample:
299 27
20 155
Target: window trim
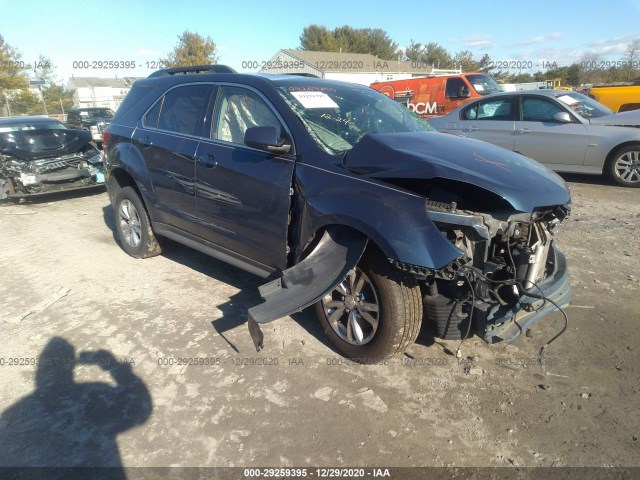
161 99
514 115
214 102
520 116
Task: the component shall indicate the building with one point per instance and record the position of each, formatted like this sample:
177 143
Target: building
99 92
361 68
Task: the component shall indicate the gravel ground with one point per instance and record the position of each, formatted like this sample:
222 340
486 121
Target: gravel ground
108 360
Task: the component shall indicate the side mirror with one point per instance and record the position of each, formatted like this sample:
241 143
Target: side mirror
562 117
265 138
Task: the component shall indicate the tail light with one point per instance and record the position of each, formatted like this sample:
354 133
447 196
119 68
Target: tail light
105 137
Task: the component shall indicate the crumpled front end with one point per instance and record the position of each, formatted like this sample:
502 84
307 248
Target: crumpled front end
29 177
510 275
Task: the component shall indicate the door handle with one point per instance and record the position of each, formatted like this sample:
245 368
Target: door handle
146 142
208 162
472 129
523 130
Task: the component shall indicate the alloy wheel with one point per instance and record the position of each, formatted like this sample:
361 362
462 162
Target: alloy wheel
130 223
353 309
627 167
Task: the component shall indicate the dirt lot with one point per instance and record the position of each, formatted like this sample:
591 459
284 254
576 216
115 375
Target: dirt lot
195 393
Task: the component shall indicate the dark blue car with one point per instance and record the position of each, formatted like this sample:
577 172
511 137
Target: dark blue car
341 198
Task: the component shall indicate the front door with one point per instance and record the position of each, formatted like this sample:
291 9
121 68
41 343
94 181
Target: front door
243 193
540 136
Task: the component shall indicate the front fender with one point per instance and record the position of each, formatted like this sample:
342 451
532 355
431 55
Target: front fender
395 220
127 158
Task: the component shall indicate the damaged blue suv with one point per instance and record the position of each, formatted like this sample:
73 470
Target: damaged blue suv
341 199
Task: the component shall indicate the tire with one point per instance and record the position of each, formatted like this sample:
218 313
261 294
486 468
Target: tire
396 323
133 227
624 166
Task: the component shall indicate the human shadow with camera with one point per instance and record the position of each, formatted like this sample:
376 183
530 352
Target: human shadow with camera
64 423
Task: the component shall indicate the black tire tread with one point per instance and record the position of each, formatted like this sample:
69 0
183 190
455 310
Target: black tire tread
404 292
149 244
609 166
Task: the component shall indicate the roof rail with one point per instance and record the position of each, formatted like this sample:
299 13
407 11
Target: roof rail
193 69
303 74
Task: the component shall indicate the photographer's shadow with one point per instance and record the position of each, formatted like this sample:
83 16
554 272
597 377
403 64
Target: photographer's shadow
68 424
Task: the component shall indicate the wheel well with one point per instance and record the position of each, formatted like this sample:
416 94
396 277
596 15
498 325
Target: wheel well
314 238
123 179
617 148
627 107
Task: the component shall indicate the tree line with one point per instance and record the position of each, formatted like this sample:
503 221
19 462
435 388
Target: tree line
194 49
15 96
590 69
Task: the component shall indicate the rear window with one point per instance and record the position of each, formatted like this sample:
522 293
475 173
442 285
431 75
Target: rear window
95 113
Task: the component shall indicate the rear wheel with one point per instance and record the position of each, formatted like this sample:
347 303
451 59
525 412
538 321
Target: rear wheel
375 313
133 226
624 166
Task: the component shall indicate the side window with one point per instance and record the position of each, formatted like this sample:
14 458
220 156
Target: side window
539 110
182 109
455 88
238 109
151 118
495 109
470 113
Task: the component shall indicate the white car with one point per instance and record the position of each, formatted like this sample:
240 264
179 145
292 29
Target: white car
565 131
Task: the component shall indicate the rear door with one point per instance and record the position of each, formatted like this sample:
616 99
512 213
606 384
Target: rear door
541 137
243 193
168 141
491 120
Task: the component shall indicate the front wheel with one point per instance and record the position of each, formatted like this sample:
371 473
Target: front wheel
375 313
133 226
624 166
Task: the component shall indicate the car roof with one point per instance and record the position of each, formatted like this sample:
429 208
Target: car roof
30 119
247 78
544 91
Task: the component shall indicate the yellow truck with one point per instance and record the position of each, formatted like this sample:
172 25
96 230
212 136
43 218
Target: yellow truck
619 98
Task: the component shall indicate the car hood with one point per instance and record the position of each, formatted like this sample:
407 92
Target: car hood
624 119
43 143
522 182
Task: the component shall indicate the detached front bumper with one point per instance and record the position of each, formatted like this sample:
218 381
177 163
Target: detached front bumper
506 324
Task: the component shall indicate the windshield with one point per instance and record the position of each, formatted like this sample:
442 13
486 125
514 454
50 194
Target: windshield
39 125
484 84
584 106
337 117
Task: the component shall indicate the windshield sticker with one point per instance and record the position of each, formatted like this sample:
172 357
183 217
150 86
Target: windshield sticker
567 99
478 87
314 100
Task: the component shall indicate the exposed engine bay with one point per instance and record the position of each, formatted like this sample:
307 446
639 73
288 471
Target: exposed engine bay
42 161
501 283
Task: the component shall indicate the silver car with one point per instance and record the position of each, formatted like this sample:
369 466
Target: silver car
565 131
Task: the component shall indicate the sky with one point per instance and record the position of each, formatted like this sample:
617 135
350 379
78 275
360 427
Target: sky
75 33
